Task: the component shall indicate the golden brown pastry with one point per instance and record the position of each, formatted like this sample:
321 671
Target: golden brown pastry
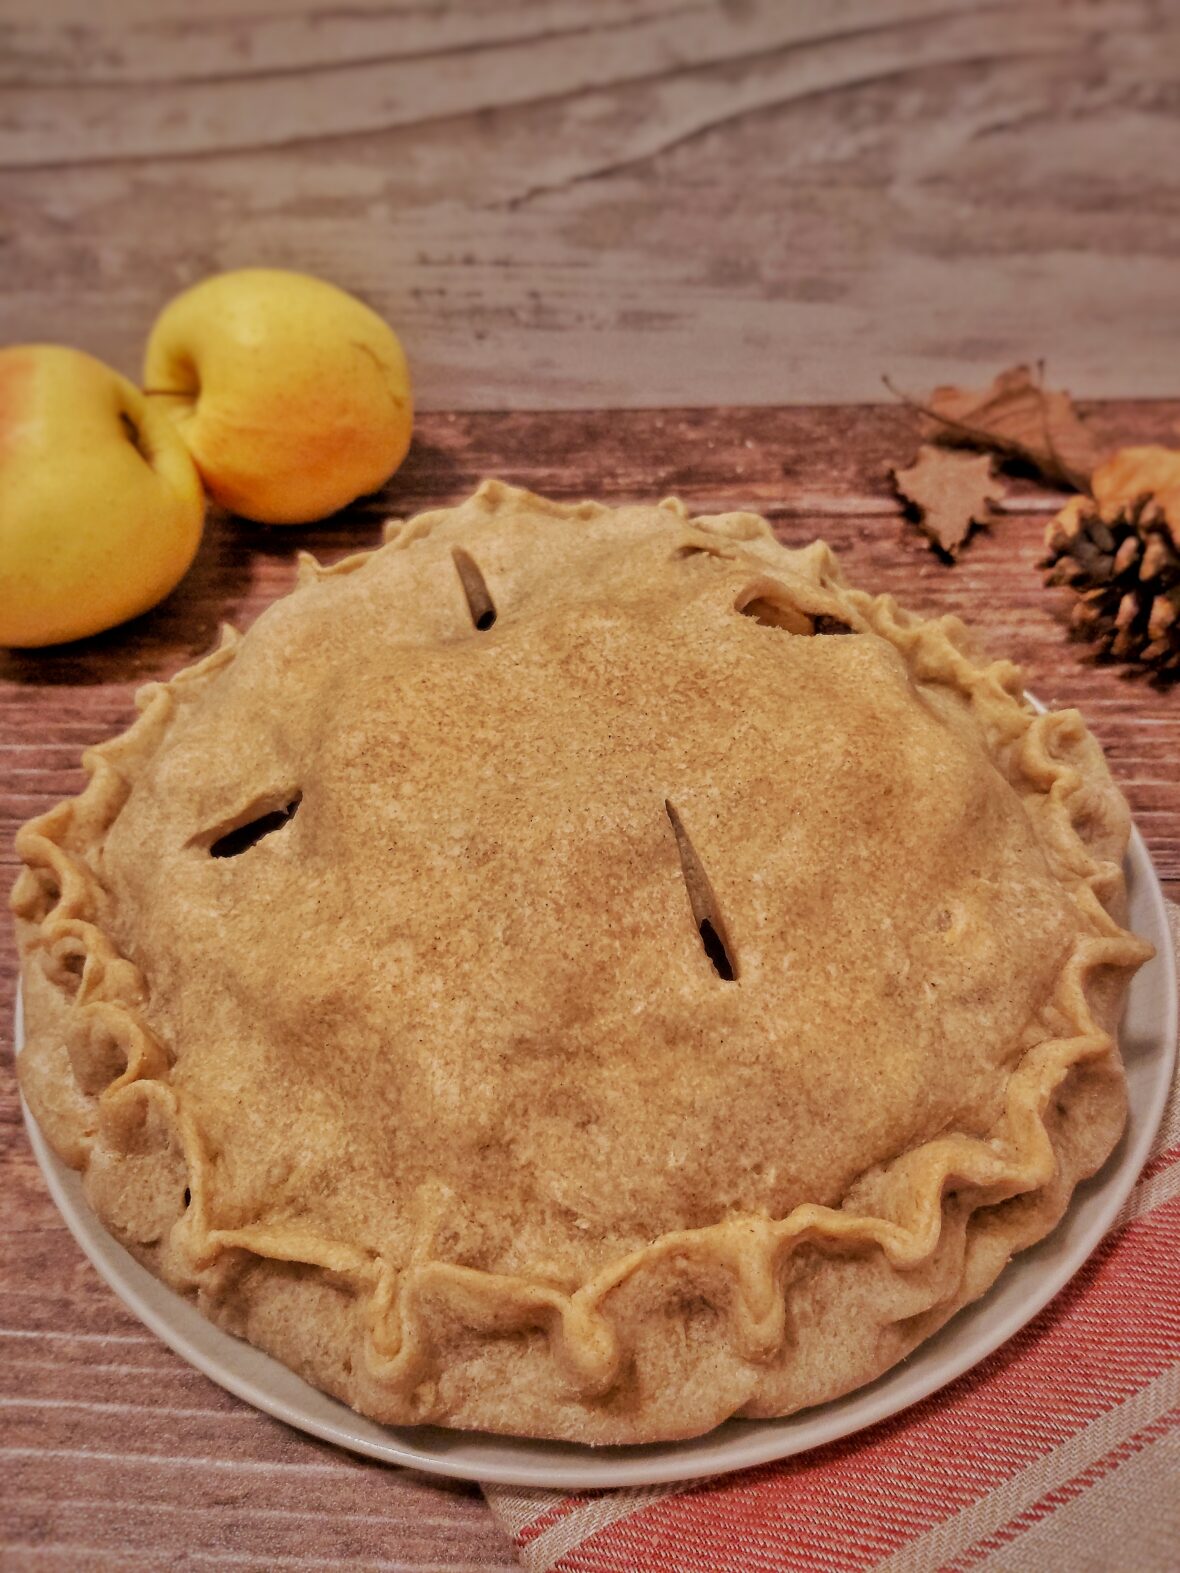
582 972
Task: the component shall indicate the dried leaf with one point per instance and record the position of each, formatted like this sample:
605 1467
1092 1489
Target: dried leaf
1140 484
1132 474
951 493
1018 417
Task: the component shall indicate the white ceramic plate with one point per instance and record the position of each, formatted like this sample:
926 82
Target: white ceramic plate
1149 1048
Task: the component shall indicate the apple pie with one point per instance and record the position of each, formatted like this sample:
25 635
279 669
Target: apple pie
581 972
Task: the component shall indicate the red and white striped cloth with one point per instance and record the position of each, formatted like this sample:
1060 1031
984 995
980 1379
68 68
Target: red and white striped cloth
1061 1451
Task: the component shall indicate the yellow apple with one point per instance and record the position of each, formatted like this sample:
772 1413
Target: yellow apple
293 397
100 504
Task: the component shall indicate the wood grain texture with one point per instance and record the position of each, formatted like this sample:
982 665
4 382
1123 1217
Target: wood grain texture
583 203
115 1454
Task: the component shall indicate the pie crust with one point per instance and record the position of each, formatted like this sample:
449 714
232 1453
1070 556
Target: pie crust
581 972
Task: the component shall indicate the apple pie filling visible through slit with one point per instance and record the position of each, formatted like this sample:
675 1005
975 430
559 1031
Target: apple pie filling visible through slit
240 838
479 599
705 910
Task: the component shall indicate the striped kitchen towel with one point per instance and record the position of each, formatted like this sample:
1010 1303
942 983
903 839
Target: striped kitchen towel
1061 1451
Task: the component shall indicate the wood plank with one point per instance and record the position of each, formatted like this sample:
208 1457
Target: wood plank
114 1452
631 205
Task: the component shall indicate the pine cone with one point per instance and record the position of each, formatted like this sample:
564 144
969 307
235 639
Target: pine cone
1123 564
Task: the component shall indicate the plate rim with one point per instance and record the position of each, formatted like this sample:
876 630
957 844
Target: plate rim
734 1445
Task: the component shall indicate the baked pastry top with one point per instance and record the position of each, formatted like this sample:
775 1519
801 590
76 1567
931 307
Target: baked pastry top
581 972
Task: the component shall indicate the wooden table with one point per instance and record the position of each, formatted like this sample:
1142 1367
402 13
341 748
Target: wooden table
114 1453
591 210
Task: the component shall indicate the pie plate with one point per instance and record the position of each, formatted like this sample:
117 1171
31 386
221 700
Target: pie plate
1025 1286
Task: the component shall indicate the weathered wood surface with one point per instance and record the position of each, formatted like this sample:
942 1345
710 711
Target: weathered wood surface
114 1454
583 203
